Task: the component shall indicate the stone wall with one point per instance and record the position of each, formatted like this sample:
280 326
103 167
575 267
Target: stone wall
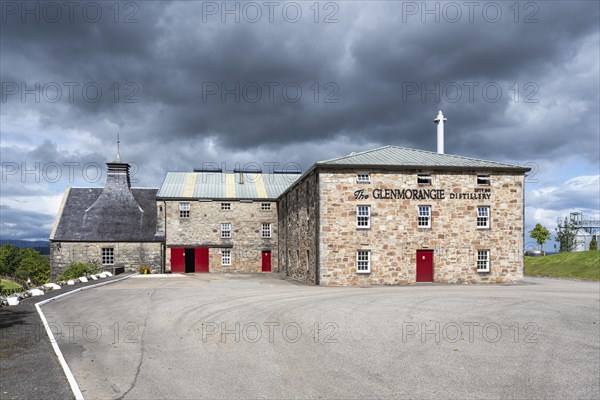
298 212
394 237
131 256
203 229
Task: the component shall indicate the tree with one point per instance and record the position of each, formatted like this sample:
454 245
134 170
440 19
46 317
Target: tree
34 266
540 234
10 258
593 243
565 236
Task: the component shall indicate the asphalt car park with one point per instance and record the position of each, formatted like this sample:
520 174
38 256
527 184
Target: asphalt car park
258 336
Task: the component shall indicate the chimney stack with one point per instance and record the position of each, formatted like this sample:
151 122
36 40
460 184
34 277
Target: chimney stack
440 120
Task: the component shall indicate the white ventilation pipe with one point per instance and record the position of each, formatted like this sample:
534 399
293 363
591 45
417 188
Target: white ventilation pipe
440 120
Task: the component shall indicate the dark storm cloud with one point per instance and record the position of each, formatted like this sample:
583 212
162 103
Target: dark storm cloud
372 57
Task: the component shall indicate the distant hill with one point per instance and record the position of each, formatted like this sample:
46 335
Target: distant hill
40 245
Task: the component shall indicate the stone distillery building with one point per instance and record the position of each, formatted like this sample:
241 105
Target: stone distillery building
114 226
390 216
394 215
214 221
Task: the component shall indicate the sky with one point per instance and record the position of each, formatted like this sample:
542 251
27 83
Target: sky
186 84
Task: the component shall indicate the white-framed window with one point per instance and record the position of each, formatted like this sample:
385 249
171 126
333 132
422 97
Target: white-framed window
266 230
363 261
483 217
226 257
363 216
424 179
184 210
363 177
424 218
483 180
265 206
483 261
108 256
226 230
225 206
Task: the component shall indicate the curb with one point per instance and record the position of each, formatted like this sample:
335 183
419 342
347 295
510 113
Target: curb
63 363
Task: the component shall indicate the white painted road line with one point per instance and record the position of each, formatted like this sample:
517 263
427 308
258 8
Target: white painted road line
61 359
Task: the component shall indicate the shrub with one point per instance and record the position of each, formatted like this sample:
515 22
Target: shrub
593 244
144 269
78 269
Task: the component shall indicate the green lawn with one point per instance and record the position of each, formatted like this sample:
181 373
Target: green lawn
576 265
9 284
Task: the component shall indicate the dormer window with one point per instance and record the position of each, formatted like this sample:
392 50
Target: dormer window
424 179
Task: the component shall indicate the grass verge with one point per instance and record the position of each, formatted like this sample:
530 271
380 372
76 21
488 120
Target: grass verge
583 265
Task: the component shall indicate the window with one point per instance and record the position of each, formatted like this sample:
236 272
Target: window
424 179
225 206
266 230
363 261
184 210
424 219
483 261
226 230
108 256
265 206
363 216
226 257
483 180
363 178
483 217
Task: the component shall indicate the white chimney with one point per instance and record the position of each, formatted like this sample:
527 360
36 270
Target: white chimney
440 120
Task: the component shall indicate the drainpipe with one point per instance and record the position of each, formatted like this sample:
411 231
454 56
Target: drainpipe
164 243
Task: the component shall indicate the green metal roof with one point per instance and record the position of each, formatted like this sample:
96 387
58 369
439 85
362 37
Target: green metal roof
402 156
225 185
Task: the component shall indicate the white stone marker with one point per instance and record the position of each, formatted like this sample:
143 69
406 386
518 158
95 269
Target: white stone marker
83 279
70 282
13 301
36 292
52 286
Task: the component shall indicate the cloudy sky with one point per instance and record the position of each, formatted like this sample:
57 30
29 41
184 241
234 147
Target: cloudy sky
188 83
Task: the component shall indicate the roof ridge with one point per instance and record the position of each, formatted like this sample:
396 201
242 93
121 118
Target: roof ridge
353 154
418 151
453 155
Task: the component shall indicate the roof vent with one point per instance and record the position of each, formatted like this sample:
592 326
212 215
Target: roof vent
209 169
440 120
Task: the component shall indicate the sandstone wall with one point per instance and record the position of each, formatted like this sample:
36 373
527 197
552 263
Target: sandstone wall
394 236
131 256
203 229
298 212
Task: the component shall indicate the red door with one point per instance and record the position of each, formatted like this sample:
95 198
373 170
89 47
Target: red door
177 259
201 261
424 265
266 261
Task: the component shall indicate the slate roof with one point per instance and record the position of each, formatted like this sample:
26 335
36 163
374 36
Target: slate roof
395 156
83 218
225 185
